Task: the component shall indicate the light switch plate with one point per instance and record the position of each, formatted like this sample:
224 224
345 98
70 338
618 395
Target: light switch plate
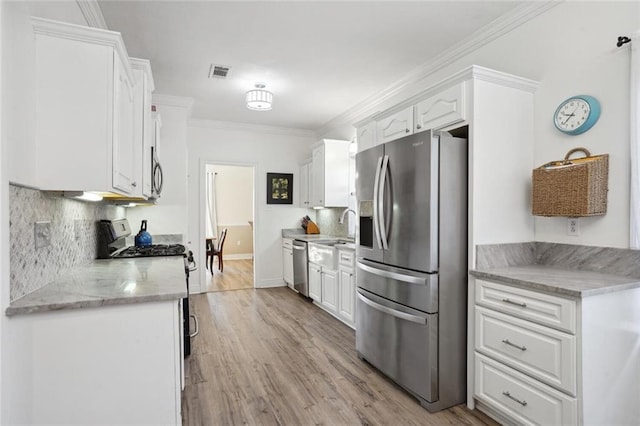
42 230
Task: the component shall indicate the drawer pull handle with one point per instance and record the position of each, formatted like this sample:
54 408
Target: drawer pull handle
522 305
507 342
508 395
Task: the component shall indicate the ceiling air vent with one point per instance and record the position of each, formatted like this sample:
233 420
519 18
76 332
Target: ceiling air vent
218 71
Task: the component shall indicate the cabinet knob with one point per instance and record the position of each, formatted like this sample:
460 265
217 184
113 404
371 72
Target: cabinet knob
134 184
407 130
418 127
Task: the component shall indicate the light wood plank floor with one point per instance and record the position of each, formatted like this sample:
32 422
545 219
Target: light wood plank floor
237 275
268 357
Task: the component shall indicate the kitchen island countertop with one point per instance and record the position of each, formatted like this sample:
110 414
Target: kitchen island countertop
108 282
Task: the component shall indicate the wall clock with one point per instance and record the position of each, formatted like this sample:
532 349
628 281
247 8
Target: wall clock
577 114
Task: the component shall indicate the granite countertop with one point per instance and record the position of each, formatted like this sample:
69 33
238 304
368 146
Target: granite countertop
108 282
558 280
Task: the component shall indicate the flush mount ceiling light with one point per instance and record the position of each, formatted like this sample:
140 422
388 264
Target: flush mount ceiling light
259 99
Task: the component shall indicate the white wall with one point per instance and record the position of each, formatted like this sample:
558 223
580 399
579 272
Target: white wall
169 214
570 49
234 194
268 151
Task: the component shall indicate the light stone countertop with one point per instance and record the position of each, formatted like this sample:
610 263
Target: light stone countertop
555 280
108 282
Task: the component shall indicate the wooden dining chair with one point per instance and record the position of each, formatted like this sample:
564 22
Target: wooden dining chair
213 251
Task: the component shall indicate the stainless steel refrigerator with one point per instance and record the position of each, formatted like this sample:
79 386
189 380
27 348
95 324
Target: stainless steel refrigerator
411 275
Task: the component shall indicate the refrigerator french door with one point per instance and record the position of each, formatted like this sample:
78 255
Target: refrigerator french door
412 266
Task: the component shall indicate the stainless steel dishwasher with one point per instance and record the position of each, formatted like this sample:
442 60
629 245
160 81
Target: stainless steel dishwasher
300 268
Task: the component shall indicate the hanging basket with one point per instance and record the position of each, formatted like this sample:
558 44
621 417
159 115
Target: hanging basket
571 187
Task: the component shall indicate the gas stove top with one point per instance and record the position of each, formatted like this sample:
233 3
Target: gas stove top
149 251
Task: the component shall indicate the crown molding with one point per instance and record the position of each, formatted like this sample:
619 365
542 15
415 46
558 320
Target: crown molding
85 34
485 35
246 127
92 13
145 66
174 101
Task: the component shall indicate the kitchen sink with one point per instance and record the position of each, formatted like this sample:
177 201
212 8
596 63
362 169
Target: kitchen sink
325 252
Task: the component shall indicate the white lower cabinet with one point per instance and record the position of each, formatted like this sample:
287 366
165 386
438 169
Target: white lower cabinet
549 359
335 291
118 364
287 261
330 290
315 282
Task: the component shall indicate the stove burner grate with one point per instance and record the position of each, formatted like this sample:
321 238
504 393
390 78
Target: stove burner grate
152 250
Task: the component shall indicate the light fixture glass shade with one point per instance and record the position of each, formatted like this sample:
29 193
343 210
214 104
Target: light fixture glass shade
259 99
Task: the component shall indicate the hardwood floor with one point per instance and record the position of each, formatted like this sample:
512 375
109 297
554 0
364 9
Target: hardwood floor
237 275
267 356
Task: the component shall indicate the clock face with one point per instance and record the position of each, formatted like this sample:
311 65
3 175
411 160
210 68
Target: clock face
572 114
577 114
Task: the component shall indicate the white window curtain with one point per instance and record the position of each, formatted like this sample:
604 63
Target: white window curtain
634 228
212 219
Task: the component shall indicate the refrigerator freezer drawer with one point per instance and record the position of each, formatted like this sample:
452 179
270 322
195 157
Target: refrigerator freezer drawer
417 290
401 342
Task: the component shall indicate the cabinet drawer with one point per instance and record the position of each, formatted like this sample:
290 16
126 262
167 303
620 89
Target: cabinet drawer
287 243
346 257
545 354
520 397
556 312
441 110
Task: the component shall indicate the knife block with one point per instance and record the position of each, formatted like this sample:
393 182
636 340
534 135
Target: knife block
312 228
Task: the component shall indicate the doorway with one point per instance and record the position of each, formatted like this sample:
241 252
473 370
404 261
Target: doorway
229 227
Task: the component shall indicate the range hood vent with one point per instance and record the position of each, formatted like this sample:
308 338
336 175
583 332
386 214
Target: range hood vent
219 71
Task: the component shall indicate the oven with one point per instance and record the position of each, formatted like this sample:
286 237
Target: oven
111 245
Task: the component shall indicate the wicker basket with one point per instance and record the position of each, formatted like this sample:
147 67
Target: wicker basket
572 187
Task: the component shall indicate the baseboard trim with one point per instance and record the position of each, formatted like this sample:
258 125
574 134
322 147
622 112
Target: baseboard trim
239 256
273 282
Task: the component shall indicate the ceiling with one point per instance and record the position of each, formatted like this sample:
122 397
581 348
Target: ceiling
318 58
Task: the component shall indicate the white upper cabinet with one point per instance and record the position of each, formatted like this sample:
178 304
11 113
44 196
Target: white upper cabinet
396 125
84 110
330 174
143 125
366 136
305 181
443 109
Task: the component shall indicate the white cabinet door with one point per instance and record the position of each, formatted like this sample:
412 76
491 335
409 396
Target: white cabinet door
395 126
287 266
330 174
330 290
143 126
443 109
305 170
315 282
366 136
317 172
123 133
347 284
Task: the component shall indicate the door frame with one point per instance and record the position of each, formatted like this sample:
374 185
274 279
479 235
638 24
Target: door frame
202 225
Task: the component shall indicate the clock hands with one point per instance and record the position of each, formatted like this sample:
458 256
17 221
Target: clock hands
573 114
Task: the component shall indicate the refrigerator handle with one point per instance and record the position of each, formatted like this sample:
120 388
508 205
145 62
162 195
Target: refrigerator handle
382 219
376 220
407 278
402 315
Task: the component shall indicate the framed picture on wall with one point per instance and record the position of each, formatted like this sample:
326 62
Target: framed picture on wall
279 188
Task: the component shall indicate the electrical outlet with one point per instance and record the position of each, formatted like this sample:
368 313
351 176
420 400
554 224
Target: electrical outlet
42 232
573 226
238 242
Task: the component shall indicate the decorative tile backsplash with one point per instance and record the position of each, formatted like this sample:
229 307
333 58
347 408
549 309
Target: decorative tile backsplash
327 220
73 236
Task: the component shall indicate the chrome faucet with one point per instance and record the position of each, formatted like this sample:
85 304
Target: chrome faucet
344 213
